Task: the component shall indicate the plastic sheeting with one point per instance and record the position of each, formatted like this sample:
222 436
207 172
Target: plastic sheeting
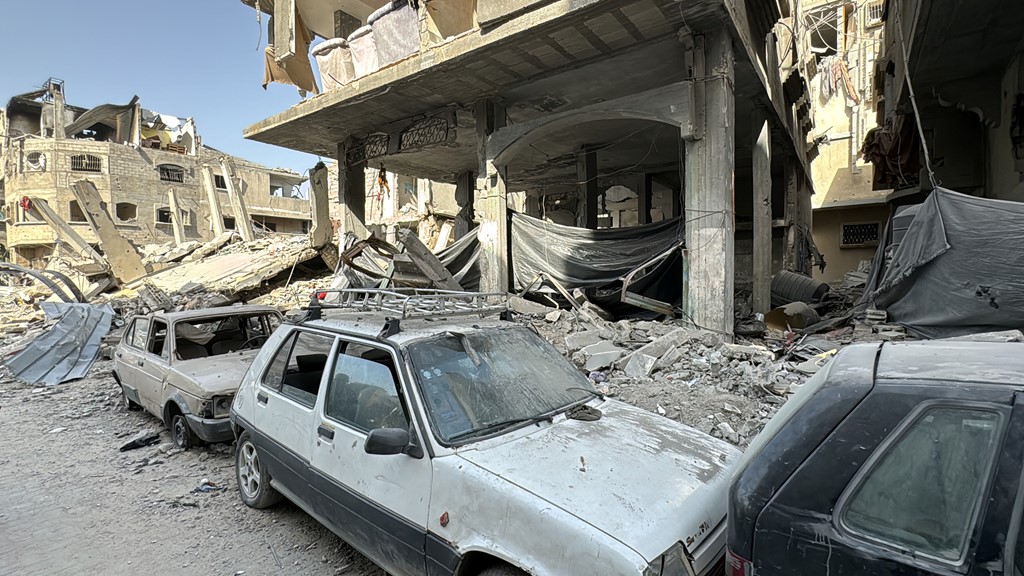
583 258
957 269
334 60
68 349
462 259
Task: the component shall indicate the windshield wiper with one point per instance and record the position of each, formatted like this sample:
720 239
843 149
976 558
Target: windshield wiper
501 424
590 390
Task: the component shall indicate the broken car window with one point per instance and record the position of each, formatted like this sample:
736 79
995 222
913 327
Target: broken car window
362 392
158 339
506 375
306 366
924 493
139 334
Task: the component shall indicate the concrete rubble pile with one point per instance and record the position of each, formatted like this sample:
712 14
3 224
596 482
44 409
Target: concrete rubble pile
691 376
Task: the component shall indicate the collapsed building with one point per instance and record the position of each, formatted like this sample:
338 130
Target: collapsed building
149 172
597 115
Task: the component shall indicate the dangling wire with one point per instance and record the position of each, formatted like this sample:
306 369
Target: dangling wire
913 102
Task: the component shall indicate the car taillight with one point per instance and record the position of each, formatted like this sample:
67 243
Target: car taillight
736 565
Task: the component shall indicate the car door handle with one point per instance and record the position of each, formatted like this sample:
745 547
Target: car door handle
261 397
141 362
325 432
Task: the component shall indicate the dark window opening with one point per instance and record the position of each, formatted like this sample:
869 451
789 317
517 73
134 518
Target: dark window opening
229 223
86 163
305 226
276 190
158 339
75 213
126 211
171 173
859 235
163 216
219 182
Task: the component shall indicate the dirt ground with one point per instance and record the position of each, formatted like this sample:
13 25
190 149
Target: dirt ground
71 503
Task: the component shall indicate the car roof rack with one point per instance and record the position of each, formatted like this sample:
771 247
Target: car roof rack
408 303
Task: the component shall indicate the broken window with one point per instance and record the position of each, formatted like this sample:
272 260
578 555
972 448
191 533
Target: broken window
229 223
219 182
75 213
158 340
86 163
276 190
171 173
126 211
35 162
163 216
305 226
298 367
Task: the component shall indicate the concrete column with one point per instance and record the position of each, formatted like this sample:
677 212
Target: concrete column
710 219
586 179
320 231
352 193
464 199
792 171
216 217
644 196
491 203
762 276
58 112
243 223
176 223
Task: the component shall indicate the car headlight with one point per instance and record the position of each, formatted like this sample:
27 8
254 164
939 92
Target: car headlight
672 563
221 406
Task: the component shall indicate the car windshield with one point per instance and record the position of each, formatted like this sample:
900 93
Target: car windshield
485 381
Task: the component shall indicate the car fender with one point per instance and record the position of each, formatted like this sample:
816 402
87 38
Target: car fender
476 511
181 400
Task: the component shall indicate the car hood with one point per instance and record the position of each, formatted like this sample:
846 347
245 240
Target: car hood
212 376
640 478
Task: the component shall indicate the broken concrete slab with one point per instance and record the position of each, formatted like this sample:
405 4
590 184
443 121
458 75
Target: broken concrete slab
740 352
524 306
600 355
640 365
1001 336
577 340
669 358
658 347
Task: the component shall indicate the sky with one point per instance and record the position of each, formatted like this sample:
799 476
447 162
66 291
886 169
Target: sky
190 58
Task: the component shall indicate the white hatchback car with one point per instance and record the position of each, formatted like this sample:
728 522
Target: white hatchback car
436 444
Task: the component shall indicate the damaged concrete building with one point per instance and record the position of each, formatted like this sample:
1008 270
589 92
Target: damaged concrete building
151 171
598 114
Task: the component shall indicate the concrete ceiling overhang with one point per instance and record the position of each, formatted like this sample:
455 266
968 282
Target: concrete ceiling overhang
555 38
318 15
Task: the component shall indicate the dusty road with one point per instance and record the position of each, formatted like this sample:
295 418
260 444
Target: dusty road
71 503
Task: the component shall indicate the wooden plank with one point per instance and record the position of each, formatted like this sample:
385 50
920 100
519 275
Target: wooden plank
762 210
426 261
125 262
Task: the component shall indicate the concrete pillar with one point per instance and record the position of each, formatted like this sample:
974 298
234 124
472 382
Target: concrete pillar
709 189
491 203
243 223
58 111
464 185
216 216
793 218
176 223
644 196
321 229
586 180
352 193
762 169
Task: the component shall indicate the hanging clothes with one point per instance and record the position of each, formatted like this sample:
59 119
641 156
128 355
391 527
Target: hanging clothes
297 70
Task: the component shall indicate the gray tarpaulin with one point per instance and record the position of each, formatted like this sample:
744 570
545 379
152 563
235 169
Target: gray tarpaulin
583 258
68 349
462 259
958 269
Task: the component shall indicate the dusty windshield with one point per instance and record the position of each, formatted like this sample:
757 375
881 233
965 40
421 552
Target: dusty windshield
486 381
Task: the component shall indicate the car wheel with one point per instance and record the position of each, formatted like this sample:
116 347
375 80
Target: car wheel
127 402
501 570
253 479
182 434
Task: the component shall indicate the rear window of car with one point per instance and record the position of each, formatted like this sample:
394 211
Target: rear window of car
924 489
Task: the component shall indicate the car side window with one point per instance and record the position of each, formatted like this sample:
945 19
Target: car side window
924 493
139 333
158 345
363 392
299 377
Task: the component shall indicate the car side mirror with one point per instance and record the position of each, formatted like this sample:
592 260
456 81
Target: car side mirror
387 441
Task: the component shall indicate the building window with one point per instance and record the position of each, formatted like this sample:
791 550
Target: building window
126 211
35 162
219 182
163 216
75 213
86 163
305 226
859 234
876 9
171 173
277 190
229 223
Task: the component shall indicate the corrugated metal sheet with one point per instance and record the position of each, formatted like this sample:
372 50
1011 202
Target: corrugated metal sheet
68 349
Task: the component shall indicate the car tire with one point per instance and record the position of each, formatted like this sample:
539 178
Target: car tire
127 402
181 433
501 570
253 479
